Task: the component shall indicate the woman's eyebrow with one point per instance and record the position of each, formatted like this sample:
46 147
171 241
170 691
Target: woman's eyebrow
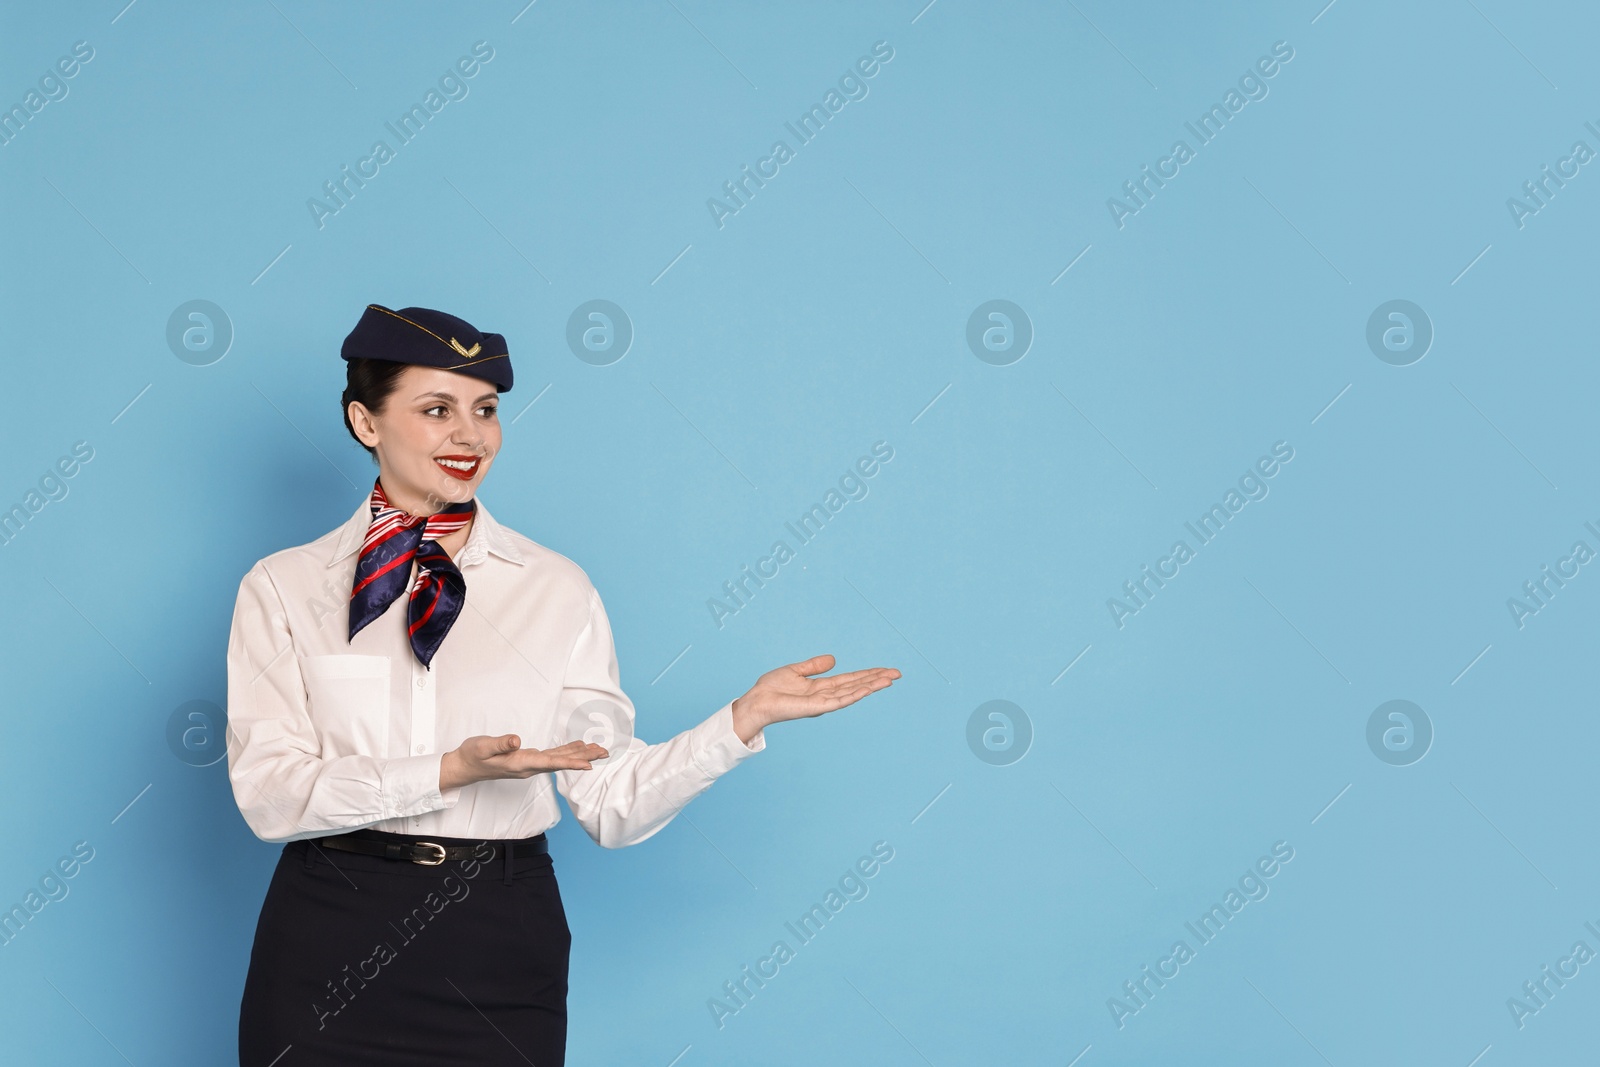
452 397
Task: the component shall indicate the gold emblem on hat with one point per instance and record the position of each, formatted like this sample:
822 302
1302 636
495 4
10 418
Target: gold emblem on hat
468 352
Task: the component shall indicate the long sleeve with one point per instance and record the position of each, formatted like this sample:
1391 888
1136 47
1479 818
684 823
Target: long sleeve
640 787
284 787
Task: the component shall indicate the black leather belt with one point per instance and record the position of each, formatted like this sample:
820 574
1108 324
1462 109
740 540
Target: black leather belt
428 853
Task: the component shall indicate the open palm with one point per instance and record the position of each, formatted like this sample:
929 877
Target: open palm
792 692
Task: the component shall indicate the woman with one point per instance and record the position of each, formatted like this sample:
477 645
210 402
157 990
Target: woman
403 692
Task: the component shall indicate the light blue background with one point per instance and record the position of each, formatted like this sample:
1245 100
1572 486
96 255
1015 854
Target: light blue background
826 315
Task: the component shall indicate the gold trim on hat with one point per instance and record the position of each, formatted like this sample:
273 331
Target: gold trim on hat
418 325
478 362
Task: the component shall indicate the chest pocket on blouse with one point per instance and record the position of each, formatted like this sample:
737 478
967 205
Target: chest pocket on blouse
349 703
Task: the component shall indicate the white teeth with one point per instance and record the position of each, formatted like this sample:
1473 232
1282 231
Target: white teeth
460 465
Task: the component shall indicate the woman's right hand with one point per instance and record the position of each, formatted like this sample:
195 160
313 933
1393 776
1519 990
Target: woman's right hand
481 758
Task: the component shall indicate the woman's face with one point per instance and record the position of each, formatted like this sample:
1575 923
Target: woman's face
436 438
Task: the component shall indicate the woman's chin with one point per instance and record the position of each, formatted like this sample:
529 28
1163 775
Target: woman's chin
457 491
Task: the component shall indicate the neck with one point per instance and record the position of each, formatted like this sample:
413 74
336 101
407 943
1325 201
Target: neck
413 503
420 505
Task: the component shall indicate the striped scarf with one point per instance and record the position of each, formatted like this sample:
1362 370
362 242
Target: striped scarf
393 540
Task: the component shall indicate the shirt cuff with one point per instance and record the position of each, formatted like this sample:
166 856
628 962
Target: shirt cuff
716 749
411 786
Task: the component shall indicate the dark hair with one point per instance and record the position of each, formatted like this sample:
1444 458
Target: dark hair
371 381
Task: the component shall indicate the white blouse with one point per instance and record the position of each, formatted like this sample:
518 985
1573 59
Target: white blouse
326 734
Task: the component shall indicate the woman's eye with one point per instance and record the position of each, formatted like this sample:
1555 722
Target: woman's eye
436 407
488 410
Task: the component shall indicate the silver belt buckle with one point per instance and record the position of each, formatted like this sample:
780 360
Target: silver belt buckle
430 863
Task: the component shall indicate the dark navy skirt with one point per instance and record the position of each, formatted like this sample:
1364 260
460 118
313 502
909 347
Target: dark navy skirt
365 960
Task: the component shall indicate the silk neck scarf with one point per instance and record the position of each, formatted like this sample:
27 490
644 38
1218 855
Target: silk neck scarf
393 540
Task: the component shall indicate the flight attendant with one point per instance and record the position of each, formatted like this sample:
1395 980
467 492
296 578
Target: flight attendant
403 694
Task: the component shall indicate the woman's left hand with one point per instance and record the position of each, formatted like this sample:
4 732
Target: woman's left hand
789 692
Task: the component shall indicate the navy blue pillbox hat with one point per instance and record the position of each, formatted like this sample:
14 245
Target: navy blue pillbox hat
430 338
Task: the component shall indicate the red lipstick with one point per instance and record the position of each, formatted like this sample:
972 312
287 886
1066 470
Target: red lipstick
465 469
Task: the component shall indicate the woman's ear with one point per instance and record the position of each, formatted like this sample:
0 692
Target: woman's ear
362 422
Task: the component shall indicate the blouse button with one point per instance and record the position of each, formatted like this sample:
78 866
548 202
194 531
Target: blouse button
421 749
422 681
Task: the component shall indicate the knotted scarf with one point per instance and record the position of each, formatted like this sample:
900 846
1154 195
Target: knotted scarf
393 540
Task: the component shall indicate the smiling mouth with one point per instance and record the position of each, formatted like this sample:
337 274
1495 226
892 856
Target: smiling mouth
464 468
